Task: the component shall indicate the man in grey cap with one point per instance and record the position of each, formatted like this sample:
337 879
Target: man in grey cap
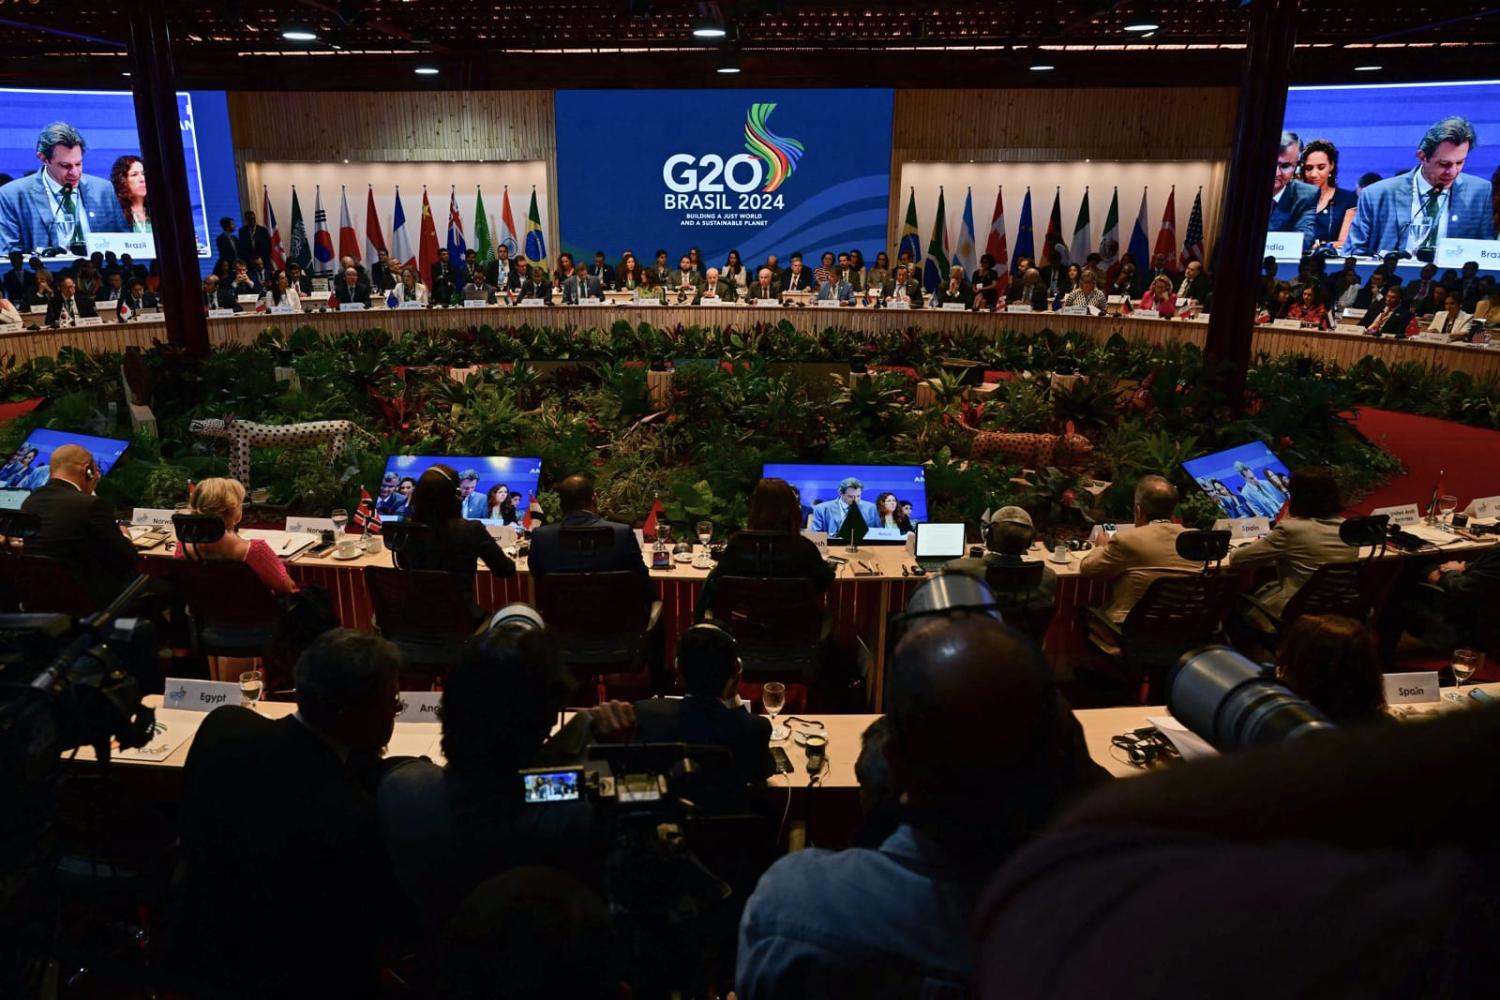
1007 538
389 501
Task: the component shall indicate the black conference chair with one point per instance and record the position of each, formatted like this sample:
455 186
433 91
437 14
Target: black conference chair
232 612
1014 588
423 613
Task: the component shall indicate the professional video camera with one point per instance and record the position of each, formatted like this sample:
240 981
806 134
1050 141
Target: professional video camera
63 685
1233 702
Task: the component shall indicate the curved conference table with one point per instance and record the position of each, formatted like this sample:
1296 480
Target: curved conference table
1341 348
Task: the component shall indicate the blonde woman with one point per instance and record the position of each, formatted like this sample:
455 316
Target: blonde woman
1159 298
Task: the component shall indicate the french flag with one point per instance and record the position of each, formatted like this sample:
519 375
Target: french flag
400 242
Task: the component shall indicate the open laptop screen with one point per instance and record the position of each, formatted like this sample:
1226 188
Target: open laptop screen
940 541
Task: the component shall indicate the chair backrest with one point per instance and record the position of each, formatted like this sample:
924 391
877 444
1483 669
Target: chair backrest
422 605
400 535
1373 530
769 611
18 527
591 605
197 529
224 593
585 541
40 584
1013 583
1203 546
1179 608
1344 588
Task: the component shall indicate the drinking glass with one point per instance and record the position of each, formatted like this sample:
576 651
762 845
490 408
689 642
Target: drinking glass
252 684
705 535
1465 662
773 697
1446 506
339 517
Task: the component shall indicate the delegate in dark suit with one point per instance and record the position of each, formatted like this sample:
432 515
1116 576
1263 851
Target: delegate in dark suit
227 247
343 293
579 287
1295 210
912 292
78 530
964 295
27 211
697 719
18 284
441 285
456 548
254 241
783 559
296 866
547 554
1395 320
1383 218
83 307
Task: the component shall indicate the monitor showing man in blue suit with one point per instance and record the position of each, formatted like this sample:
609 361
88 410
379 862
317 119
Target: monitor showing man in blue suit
59 205
1414 211
830 515
1294 205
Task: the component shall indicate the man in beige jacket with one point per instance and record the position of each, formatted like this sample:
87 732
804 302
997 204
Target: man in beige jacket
1150 545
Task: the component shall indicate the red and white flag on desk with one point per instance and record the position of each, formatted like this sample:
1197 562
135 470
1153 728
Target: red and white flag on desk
366 517
648 530
532 507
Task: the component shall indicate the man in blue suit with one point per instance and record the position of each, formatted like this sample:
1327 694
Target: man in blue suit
471 501
1419 208
59 205
830 515
1294 205
576 497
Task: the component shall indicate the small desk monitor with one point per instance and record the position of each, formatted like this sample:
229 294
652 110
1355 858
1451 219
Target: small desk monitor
939 543
26 468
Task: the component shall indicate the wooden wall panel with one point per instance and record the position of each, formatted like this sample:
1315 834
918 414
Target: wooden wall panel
395 126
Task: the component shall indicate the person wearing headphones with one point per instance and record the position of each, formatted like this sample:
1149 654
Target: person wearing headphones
708 664
78 528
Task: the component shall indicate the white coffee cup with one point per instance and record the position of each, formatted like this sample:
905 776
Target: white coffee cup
348 548
373 544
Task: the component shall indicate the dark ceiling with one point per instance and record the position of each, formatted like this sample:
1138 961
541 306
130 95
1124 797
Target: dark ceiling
365 44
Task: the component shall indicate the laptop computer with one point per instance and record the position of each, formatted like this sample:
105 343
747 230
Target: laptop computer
938 544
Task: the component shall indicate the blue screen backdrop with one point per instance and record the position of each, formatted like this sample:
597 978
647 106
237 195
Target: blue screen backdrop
106 120
758 171
1377 128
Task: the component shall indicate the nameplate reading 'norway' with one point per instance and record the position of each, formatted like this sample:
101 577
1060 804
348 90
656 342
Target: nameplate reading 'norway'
198 695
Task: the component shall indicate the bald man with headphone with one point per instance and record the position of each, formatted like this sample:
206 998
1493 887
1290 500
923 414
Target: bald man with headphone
78 528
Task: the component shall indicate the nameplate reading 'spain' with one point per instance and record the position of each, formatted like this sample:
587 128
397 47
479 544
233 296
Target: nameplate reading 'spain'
1411 688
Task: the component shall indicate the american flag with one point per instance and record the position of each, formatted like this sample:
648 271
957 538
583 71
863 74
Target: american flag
1192 240
366 517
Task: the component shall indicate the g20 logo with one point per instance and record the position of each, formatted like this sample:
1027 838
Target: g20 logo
771 159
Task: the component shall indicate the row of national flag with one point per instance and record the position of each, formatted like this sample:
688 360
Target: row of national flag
943 253
318 256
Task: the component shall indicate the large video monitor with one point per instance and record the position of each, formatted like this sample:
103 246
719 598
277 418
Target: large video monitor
1384 149
819 484
492 488
93 149
1248 481
26 468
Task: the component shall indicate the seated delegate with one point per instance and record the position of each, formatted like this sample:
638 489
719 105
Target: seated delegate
1007 540
77 527
575 496
225 499
1306 539
1333 662
774 515
1150 545
452 544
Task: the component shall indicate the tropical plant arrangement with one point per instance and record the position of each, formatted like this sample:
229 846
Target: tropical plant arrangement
582 401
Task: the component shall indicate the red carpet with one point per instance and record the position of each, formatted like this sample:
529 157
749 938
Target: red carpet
1467 457
10 411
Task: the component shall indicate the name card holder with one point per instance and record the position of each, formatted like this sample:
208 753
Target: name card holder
1413 688
309 525
421 706
1287 324
764 303
282 310
1404 514
1244 527
345 307
88 321
151 515
411 304
954 306
707 301
475 303
648 303
1069 311
898 303
826 304
1484 507
531 302
220 313
192 695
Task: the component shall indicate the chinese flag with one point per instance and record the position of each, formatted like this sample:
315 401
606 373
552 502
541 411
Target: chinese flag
427 242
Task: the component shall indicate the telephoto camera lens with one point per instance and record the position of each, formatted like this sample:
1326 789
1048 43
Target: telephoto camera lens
1232 702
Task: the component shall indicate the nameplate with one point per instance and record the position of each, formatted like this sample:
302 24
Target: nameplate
954 306
87 321
649 303
283 309
1287 324
1353 328
199 695
1073 311
309 525
503 534
149 313
1412 688
531 302
136 244
708 301
590 302
818 538
411 304
220 313
898 304
1244 527
640 538
421 706
1431 338
1484 507
764 303
1456 253
1404 514
151 515
248 299
475 303
10 327
1284 246
826 304
345 307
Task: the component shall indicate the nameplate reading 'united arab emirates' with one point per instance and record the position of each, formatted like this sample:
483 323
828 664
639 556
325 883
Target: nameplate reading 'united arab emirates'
421 706
198 695
1404 514
1412 688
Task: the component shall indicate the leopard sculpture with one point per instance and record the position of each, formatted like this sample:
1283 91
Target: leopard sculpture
245 434
1069 451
